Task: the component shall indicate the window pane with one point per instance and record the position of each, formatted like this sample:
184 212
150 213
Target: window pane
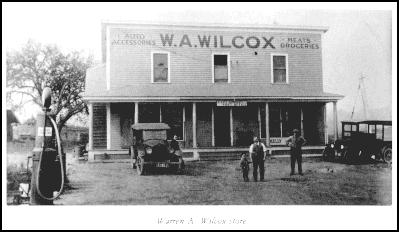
160 75
160 67
279 76
220 60
274 121
221 73
379 132
387 133
278 62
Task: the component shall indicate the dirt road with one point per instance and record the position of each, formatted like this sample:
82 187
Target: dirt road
220 183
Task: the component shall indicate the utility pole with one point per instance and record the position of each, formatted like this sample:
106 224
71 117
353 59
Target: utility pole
363 89
363 95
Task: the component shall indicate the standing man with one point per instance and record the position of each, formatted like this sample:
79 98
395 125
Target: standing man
257 152
296 142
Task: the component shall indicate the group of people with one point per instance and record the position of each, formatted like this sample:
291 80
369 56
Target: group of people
257 156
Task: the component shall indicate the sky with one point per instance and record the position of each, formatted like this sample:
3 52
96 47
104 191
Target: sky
361 40
358 42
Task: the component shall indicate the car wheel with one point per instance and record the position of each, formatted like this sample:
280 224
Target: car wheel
387 155
140 166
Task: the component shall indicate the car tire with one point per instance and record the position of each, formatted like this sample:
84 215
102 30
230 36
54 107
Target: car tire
387 155
140 166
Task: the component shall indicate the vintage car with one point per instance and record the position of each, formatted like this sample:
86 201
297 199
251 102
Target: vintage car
362 139
151 150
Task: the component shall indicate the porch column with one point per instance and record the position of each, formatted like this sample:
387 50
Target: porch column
136 112
184 123
231 127
213 125
302 131
108 105
194 125
90 126
267 124
160 112
325 124
335 121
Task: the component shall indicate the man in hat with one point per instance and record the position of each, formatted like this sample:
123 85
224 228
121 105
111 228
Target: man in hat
296 142
257 153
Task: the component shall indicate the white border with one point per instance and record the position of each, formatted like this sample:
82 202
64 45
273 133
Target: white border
286 67
228 65
152 66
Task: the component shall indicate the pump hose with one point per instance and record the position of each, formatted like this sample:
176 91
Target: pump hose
61 163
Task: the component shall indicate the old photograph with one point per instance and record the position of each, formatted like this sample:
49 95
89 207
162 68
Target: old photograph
199 116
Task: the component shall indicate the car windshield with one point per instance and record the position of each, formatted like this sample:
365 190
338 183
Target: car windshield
153 142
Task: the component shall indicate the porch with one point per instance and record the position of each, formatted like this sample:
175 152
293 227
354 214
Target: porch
202 154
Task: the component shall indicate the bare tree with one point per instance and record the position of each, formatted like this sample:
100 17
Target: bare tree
36 66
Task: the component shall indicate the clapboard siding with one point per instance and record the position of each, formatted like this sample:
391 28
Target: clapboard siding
99 126
132 63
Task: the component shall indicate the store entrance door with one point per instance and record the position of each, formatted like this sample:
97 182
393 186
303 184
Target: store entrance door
222 126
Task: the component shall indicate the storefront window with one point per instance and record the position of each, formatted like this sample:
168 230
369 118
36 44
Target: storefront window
282 120
172 114
149 113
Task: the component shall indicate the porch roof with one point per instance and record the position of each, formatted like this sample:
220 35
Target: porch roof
213 91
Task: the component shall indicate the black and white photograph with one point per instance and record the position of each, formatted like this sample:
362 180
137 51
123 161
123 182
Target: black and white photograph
199 115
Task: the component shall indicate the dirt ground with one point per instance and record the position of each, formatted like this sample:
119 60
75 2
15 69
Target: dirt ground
221 183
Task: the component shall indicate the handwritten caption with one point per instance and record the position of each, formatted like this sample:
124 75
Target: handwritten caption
209 221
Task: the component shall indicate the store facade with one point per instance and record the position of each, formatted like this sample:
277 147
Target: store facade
216 86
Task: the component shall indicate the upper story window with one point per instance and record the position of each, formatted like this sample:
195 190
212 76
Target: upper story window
160 67
279 68
221 68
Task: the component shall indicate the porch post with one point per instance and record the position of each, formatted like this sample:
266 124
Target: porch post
194 125
136 112
108 105
325 124
231 127
302 131
267 124
335 122
213 125
90 126
160 112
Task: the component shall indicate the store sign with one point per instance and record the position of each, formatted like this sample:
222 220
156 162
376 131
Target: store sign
278 141
231 103
169 40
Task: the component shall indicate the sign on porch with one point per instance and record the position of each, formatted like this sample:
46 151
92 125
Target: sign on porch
277 141
231 103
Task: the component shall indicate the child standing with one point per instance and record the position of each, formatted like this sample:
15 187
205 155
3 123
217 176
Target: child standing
244 164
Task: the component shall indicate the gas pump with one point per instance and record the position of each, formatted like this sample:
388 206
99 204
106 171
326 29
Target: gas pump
47 157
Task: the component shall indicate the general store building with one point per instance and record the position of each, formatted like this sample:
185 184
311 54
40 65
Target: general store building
216 86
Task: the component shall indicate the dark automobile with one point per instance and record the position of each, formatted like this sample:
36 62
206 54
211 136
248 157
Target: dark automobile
361 140
150 149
